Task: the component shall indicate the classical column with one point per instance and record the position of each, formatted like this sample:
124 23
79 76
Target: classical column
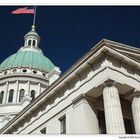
38 89
112 107
136 111
16 92
28 89
6 93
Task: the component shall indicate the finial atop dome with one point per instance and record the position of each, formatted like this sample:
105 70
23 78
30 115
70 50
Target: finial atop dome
33 27
32 38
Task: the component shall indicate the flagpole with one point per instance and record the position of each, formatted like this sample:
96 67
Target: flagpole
35 8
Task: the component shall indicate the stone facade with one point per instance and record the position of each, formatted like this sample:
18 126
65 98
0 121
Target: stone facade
99 94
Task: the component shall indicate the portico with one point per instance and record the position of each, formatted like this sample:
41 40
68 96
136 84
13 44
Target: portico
117 113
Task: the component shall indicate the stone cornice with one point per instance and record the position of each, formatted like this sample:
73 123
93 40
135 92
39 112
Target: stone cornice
123 58
63 79
31 68
119 46
54 71
83 96
23 77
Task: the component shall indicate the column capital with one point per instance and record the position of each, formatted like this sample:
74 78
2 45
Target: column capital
81 97
136 93
109 83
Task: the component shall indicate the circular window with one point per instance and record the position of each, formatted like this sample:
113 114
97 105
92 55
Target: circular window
24 70
34 71
14 70
5 72
44 74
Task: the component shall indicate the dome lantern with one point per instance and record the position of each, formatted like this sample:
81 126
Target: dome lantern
32 39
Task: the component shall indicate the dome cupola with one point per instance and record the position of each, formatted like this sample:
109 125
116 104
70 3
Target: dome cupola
32 39
29 55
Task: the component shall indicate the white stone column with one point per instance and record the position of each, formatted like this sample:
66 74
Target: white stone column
6 93
38 89
136 111
16 93
83 117
28 89
113 112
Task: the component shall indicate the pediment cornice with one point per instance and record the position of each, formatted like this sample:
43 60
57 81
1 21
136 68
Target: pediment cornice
127 50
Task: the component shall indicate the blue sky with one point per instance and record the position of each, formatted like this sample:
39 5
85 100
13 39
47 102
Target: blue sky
68 32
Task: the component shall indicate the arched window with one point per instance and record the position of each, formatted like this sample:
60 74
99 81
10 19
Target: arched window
34 42
21 94
1 96
33 94
11 93
29 42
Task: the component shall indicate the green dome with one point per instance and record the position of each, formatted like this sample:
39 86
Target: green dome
28 59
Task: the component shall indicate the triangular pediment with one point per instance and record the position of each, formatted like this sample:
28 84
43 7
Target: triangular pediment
129 51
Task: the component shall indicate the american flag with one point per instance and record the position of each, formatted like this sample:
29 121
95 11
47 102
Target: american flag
24 10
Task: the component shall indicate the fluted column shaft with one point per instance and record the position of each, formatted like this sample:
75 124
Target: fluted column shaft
136 111
113 111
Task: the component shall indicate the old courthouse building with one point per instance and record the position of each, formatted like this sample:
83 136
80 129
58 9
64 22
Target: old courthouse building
99 94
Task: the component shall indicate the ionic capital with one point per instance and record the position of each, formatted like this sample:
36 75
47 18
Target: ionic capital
136 94
110 83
